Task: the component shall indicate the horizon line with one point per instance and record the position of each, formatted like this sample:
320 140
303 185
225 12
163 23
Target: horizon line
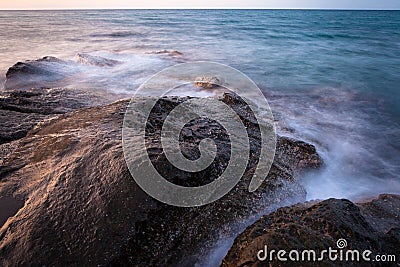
200 8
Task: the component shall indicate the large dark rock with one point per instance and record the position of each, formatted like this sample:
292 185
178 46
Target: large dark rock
298 154
82 207
52 72
44 72
367 226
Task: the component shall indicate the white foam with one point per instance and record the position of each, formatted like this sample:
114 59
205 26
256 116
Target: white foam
351 134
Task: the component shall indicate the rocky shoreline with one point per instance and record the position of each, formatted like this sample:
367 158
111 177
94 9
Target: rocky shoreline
61 159
81 201
372 225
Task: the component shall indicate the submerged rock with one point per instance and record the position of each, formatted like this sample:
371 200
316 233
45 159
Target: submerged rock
44 72
367 226
82 207
96 60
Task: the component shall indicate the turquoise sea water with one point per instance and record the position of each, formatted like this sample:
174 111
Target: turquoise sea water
332 75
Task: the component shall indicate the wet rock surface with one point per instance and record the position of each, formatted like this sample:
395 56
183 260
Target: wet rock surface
207 82
52 72
298 154
21 110
80 201
96 60
371 226
383 212
44 72
82 207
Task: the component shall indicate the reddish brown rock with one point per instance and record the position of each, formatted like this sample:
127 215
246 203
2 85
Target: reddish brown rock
82 207
370 226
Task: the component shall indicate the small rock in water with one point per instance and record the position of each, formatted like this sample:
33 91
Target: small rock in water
207 82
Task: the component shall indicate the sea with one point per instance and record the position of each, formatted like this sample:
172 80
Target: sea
331 77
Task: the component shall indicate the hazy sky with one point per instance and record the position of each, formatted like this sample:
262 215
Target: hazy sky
330 4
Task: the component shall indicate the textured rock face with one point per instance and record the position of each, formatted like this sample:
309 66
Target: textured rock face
52 72
373 225
96 60
80 201
207 82
20 111
382 213
82 207
163 240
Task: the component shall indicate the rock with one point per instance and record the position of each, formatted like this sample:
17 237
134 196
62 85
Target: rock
15 125
44 72
96 60
82 207
207 82
298 154
382 213
20 111
117 34
9 206
80 201
318 227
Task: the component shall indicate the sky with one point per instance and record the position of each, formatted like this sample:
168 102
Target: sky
116 4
